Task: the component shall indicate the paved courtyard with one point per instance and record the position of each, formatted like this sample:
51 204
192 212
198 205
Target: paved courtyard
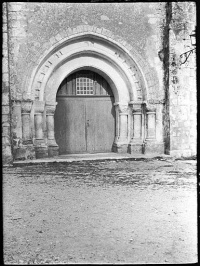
115 211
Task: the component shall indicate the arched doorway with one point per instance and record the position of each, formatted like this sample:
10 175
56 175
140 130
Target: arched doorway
138 124
85 114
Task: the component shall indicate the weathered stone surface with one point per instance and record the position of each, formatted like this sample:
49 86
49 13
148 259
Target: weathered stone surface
151 147
41 152
152 33
6 138
53 151
24 152
136 148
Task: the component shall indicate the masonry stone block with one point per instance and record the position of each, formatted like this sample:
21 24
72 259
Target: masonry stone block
74 30
5 98
98 30
6 131
58 37
5 109
7 157
80 28
134 34
89 28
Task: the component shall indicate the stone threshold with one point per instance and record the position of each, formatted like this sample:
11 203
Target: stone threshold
92 157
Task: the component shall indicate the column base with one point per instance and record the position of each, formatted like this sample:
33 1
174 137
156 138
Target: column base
41 151
120 148
136 148
53 151
25 152
153 147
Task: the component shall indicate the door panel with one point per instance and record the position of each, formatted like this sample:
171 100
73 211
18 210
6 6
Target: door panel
75 126
60 126
101 118
70 126
85 124
84 116
90 110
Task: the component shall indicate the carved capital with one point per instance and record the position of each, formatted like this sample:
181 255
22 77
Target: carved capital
26 106
27 96
39 106
16 103
122 107
151 108
153 101
50 108
135 106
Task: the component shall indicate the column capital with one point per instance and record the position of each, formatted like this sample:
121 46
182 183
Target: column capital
50 108
16 103
39 106
151 108
27 96
122 107
135 106
158 101
26 106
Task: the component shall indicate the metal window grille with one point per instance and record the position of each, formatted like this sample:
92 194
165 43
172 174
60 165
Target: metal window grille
84 84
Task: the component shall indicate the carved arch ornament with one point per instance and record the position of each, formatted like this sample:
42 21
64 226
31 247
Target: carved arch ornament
115 61
115 58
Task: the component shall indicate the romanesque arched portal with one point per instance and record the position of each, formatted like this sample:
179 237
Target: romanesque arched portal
138 124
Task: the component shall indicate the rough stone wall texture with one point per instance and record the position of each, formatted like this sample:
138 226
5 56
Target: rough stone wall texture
182 81
34 27
6 140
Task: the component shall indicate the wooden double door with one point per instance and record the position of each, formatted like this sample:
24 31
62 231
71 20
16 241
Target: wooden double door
85 123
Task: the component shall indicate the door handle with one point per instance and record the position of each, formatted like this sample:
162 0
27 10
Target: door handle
88 124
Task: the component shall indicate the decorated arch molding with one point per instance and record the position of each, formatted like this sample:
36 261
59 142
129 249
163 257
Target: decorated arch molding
115 50
87 47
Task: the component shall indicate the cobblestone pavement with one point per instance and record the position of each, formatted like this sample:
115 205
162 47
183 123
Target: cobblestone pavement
101 212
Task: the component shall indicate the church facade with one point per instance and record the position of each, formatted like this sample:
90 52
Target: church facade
97 77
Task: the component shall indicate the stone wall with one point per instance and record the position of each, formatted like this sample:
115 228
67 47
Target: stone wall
6 140
182 81
155 32
34 26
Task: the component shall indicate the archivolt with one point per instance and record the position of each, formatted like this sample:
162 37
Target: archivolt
89 50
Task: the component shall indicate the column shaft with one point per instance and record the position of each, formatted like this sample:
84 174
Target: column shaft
136 143
123 126
121 139
151 125
137 126
38 126
26 131
41 149
17 120
52 145
50 127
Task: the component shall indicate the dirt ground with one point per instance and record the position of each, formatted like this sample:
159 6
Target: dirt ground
101 212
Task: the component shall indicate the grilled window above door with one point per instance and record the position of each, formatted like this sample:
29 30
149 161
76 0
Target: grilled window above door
84 83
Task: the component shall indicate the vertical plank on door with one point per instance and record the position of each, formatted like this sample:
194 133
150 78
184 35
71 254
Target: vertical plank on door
60 125
91 117
75 126
101 132
73 84
69 85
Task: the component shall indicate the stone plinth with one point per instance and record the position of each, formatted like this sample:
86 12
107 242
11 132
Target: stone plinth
153 147
41 151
